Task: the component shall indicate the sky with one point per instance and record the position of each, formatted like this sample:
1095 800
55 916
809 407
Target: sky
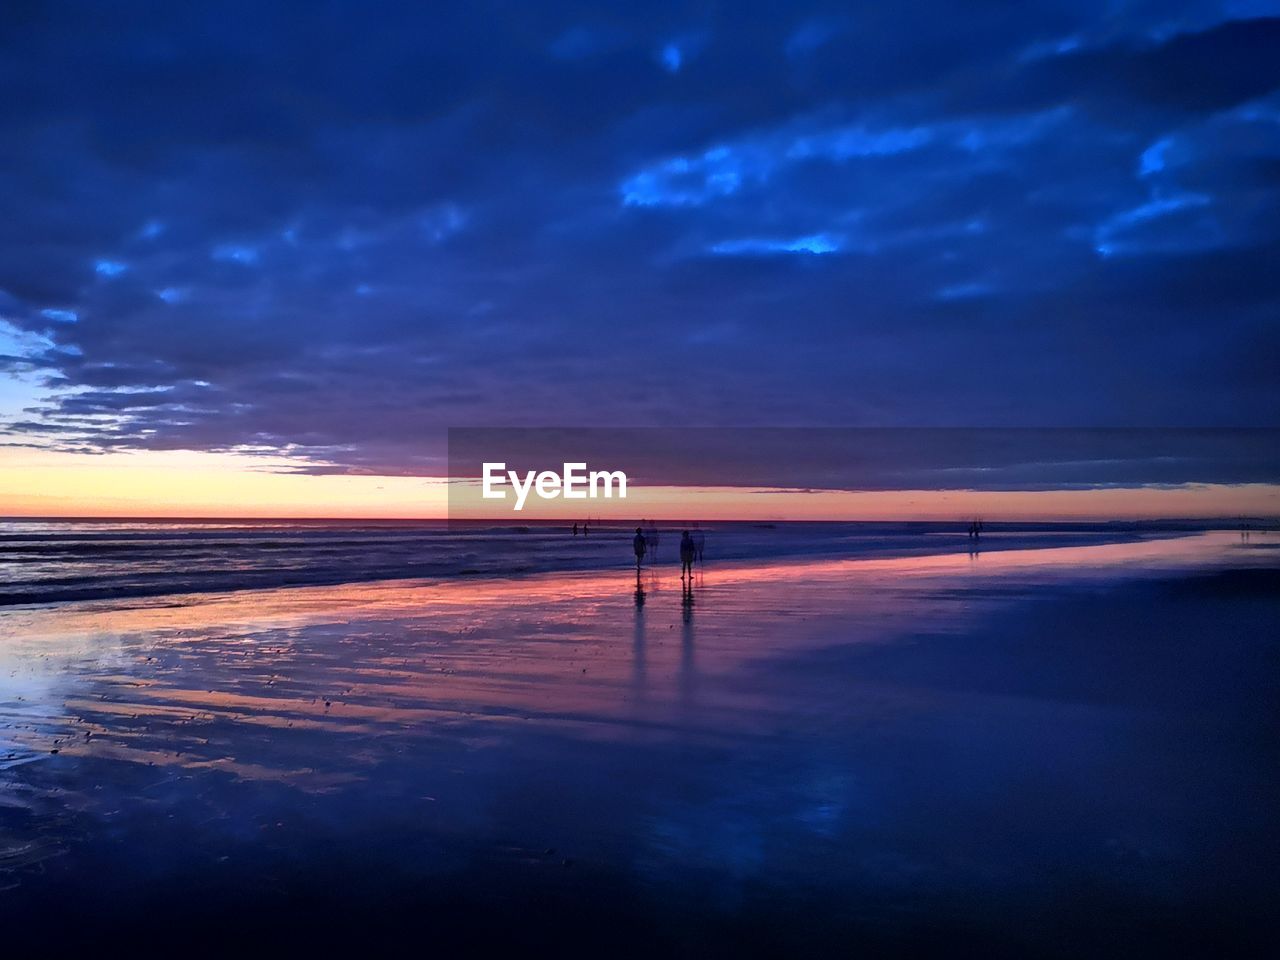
289 245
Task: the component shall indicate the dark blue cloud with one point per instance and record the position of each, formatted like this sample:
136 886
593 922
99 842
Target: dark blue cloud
335 231
825 458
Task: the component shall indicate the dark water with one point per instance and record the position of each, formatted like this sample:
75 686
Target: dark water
53 561
1045 752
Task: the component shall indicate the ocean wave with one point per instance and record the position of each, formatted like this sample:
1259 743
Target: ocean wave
61 561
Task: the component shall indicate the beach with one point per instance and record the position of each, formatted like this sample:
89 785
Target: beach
699 480
1035 750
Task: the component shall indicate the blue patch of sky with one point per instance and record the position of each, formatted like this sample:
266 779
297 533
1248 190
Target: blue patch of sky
964 291
1153 158
816 243
17 392
722 170
809 36
235 253
1115 235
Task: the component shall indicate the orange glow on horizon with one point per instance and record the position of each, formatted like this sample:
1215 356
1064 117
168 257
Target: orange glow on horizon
184 484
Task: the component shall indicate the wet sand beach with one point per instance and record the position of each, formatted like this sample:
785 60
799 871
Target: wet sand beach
1026 752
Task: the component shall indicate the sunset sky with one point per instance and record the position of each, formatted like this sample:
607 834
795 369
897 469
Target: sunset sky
257 265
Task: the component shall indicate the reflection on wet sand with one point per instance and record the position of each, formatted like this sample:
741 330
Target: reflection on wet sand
723 704
183 682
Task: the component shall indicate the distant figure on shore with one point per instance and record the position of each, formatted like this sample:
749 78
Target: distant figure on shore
575 529
699 541
687 552
638 545
584 528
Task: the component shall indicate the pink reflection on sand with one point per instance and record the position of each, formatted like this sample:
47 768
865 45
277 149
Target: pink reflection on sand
315 686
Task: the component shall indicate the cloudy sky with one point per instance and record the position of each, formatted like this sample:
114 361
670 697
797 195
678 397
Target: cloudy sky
330 231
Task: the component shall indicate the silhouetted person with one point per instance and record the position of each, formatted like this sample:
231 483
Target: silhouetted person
638 545
575 529
699 541
687 552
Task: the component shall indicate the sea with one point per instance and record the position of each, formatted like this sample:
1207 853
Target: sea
57 561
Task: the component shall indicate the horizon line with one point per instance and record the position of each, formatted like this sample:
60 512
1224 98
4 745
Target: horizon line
616 521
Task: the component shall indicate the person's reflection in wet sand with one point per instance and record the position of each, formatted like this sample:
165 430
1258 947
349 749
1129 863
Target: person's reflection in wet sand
688 673
638 667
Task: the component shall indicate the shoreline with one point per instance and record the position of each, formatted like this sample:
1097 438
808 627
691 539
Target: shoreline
943 543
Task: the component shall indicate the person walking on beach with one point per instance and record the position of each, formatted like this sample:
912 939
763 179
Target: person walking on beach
687 552
575 529
638 545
